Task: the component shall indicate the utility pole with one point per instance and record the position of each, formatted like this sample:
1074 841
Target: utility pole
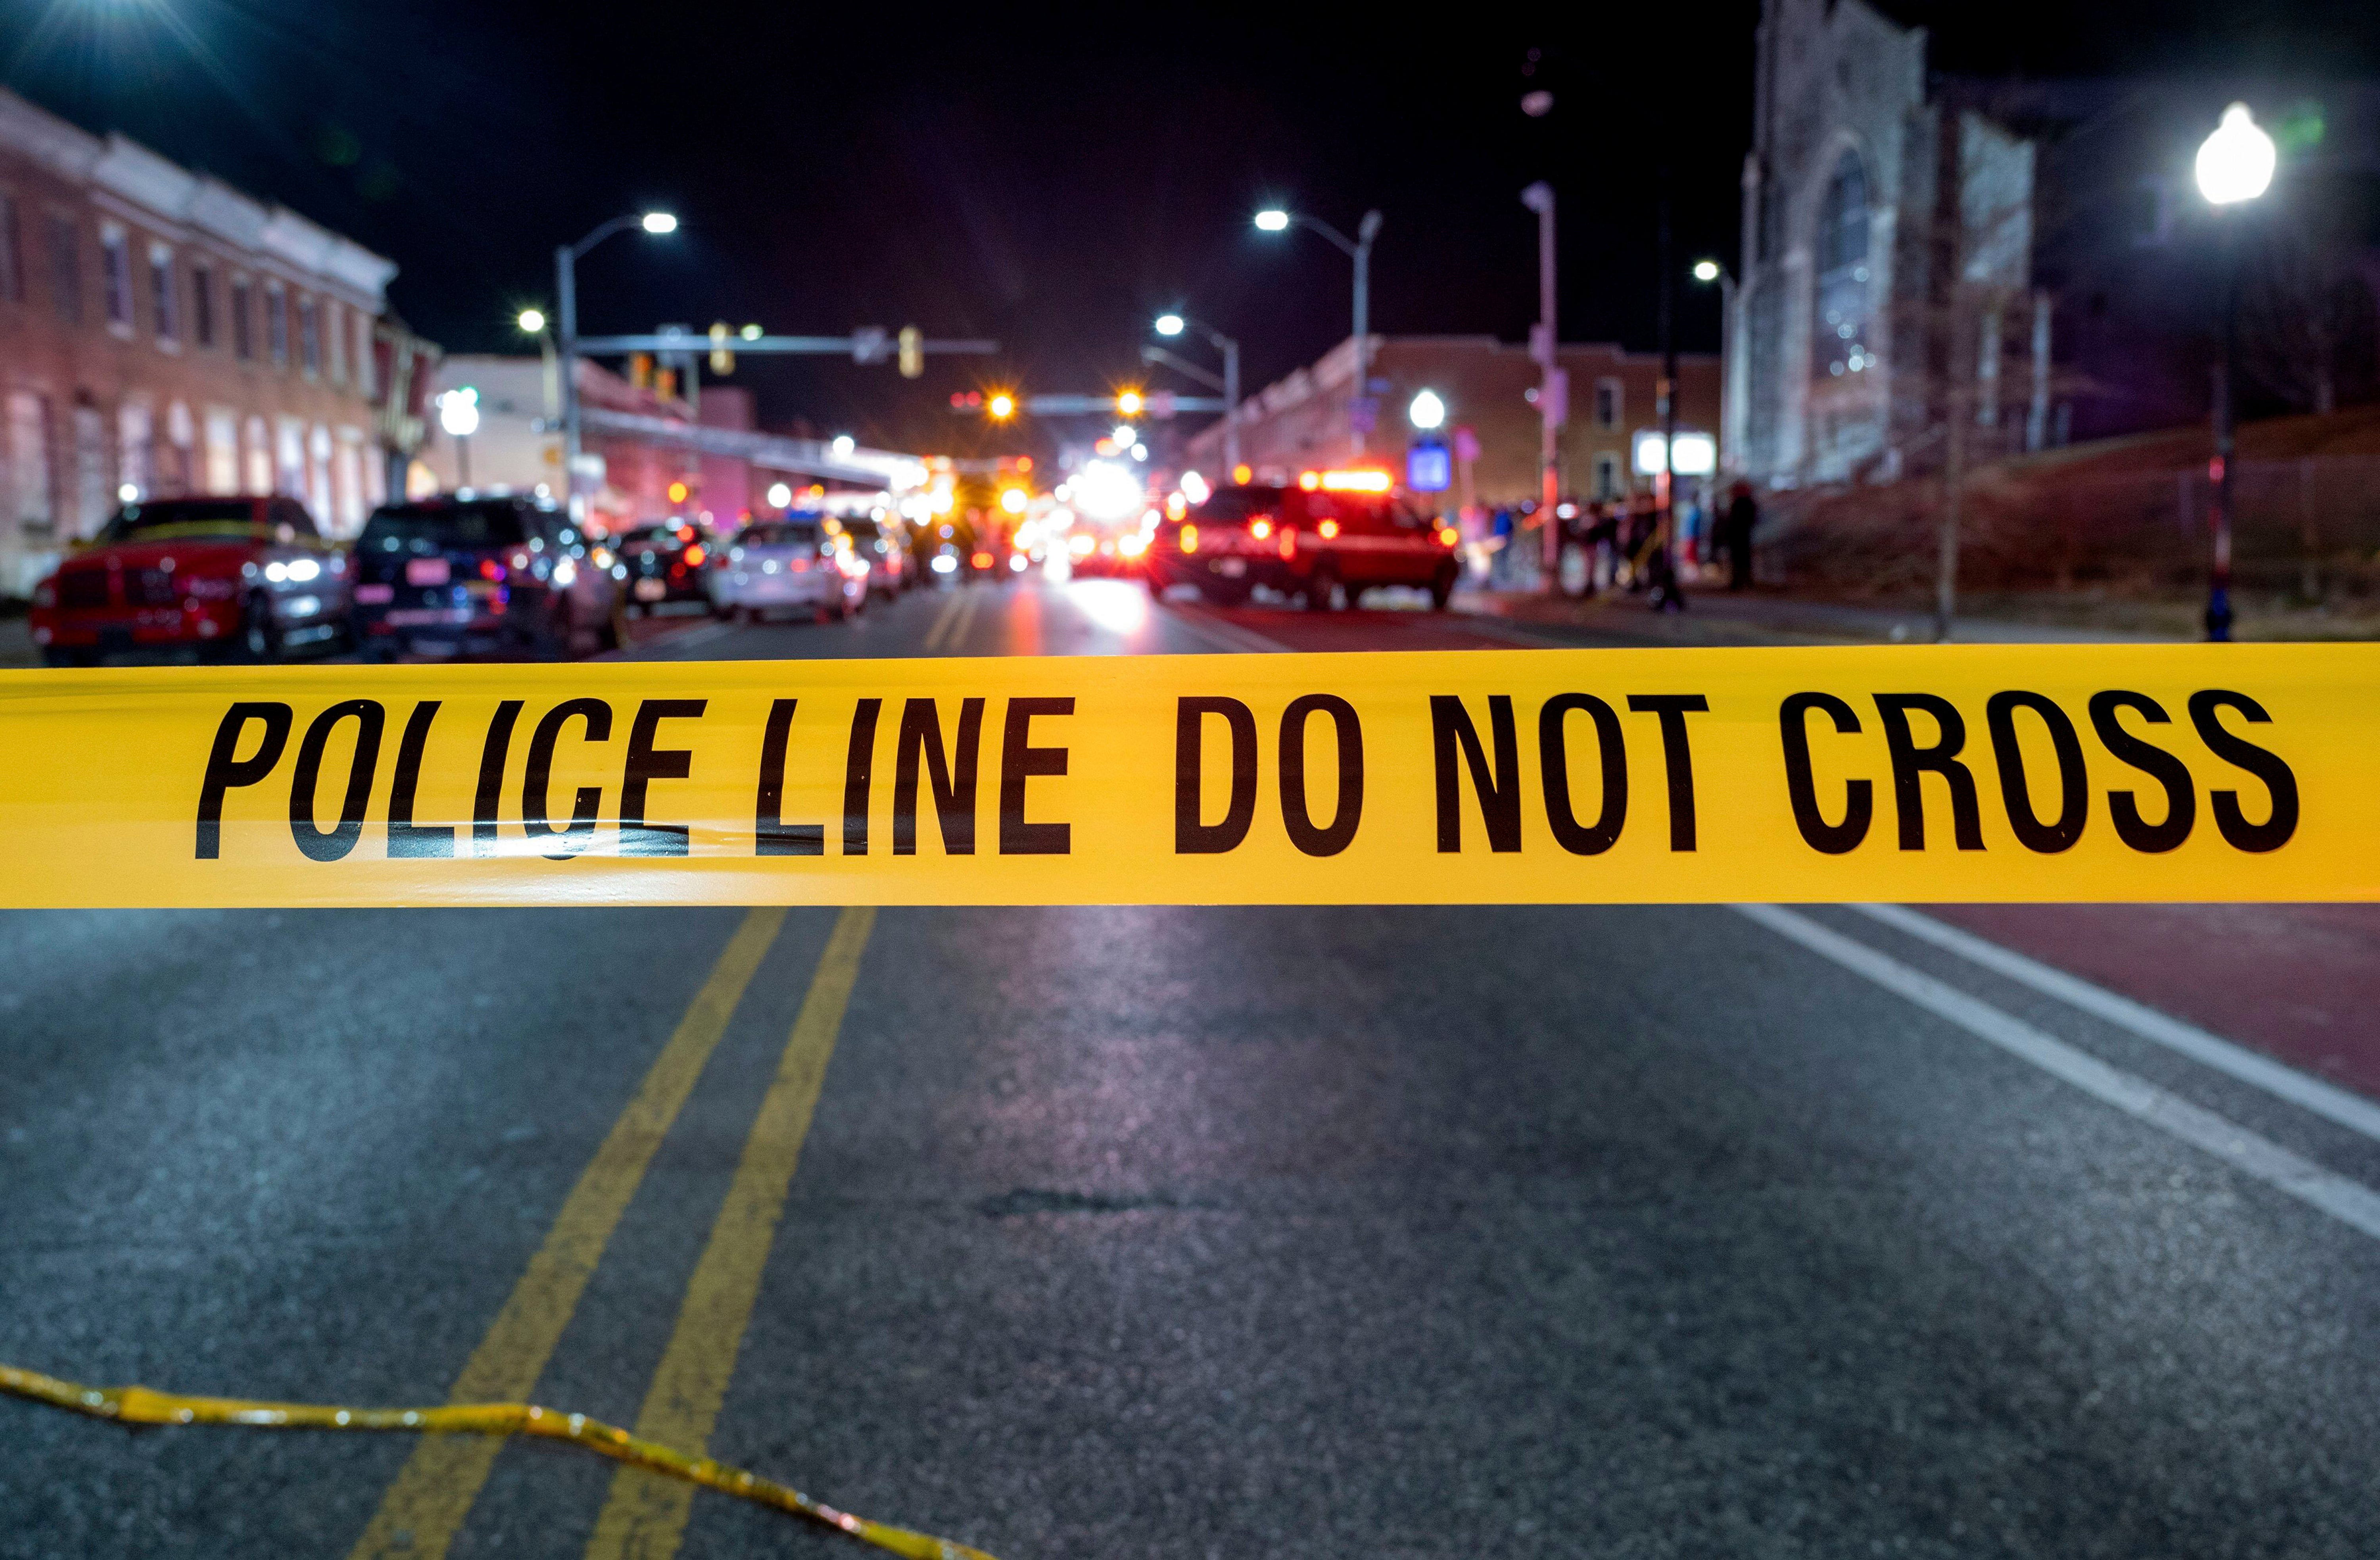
1552 386
1366 231
1667 397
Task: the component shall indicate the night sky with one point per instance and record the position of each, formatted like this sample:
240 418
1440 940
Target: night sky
1049 179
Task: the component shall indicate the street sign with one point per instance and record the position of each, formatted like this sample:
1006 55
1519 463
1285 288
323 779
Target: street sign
871 344
1466 442
1429 467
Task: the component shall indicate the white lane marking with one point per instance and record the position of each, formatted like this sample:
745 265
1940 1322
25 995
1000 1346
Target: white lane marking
1218 633
2351 1110
2350 1202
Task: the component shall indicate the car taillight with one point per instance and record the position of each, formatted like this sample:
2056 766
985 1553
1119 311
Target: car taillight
1289 543
1188 539
982 560
490 570
693 556
1448 536
1328 529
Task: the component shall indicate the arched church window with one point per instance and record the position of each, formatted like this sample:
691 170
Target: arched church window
1839 345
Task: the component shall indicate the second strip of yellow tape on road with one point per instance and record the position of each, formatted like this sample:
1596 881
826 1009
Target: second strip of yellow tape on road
2213 772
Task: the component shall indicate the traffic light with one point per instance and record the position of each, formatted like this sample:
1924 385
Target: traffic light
1001 405
913 352
722 359
641 370
1129 403
665 383
678 492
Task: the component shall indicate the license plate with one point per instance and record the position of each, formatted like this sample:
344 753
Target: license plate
375 596
650 590
1231 569
423 618
428 571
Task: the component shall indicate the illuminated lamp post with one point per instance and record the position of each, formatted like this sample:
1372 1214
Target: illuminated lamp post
566 299
1359 250
2235 166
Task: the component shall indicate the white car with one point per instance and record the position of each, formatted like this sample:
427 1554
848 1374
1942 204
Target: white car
795 563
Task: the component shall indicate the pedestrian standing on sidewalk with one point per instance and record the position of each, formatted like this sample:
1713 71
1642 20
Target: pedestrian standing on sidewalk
1743 514
1660 566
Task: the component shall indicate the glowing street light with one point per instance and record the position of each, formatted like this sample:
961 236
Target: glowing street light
1706 271
531 321
1272 220
565 306
844 444
1129 403
2236 163
2235 166
781 495
1171 324
458 413
1002 406
1427 410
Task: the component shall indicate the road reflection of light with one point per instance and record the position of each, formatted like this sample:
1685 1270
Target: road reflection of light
1121 606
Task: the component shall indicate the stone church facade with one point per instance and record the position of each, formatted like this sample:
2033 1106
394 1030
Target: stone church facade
1885 279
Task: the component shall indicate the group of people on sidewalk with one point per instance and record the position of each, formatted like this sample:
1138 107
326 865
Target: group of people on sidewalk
1633 544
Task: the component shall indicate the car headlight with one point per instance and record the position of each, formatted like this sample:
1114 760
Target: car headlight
301 569
565 571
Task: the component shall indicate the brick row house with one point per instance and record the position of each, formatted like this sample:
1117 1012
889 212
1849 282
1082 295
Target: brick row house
163 334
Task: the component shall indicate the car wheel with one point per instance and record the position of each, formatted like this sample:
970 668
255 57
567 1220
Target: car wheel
1322 588
1441 587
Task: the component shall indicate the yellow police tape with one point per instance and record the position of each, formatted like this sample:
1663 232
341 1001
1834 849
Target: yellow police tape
139 1405
1941 773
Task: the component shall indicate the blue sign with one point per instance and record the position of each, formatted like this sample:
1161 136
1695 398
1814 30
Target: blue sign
1429 467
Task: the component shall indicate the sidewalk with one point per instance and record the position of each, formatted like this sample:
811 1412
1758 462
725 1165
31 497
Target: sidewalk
1755 617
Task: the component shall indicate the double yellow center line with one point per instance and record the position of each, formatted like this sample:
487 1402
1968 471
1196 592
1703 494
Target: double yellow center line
644 1517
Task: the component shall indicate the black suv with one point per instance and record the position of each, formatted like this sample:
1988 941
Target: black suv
506 574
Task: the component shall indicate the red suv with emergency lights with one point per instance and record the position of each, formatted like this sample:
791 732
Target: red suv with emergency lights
1333 536
241 577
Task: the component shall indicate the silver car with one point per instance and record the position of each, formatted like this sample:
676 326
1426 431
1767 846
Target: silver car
796 563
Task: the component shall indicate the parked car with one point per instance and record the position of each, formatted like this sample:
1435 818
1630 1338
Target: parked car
248 578
795 562
505 574
664 563
883 546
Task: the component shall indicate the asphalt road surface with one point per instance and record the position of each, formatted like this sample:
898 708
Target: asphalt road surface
1196 1232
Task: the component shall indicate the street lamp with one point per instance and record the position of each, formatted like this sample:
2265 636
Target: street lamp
1359 250
532 322
1174 325
458 414
2235 166
1427 410
1707 272
1553 388
565 298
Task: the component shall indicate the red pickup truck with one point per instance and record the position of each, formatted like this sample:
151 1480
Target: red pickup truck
240 578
